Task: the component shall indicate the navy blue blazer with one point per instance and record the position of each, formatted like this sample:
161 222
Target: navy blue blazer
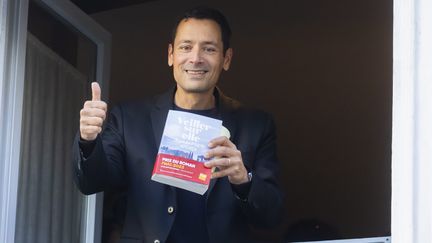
125 153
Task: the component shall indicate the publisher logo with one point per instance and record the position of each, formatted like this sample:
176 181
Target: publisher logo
202 176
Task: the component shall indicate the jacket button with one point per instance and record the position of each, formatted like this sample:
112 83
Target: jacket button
156 241
170 209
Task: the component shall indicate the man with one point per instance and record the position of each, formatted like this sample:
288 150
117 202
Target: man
243 190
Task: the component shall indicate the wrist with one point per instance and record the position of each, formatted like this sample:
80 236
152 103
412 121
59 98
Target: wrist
245 179
241 191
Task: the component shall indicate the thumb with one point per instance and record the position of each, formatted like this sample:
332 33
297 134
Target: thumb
96 91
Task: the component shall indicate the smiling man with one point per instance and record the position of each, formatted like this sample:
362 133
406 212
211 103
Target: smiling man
243 190
198 57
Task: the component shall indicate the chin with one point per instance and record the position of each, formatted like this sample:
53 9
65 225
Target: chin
196 89
199 90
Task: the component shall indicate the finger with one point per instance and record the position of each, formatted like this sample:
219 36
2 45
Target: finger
220 163
221 141
222 173
91 121
93 112
95 104
88 129
235 174
96 91
90 132
222 151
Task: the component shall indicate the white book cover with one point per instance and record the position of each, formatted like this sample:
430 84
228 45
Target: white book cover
180 159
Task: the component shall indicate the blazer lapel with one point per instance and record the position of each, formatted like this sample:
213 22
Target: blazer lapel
159 114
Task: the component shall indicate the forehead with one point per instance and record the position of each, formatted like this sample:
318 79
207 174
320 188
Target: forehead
198 30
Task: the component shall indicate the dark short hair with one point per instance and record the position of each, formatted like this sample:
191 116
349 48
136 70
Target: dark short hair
203 12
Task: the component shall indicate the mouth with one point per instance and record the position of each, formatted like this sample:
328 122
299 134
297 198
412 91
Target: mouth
196 72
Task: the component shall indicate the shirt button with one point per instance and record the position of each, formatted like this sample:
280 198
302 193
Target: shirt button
156 241
170 209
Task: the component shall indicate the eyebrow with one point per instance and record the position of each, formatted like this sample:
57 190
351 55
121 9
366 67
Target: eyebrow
205 42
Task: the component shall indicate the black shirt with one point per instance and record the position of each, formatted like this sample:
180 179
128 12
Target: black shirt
190 224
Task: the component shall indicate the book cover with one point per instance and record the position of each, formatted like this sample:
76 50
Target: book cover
180 159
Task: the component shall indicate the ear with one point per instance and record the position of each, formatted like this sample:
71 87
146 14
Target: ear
227 59
170 55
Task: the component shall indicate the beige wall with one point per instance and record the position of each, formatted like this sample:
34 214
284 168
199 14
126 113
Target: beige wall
323 68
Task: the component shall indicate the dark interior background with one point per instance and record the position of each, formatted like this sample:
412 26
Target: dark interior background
322 67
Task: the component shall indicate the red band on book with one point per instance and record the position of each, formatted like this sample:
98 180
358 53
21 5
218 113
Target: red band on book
182 168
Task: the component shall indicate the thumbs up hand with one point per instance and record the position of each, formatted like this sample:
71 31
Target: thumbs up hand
92 115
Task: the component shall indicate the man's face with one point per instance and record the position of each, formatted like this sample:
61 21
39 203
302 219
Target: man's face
197 55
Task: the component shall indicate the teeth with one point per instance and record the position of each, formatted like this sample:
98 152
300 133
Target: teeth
195 72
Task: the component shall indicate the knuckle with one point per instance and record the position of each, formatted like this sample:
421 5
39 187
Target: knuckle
83 129
94 121
100 121
225 150
221 150
83 121
97 112
85 112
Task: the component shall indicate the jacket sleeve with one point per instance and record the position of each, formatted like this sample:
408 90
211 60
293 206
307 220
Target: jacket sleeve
264 202
104 167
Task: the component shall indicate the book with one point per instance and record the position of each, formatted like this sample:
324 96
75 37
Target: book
180 159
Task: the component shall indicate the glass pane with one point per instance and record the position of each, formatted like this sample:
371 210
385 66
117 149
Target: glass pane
60 63
63 39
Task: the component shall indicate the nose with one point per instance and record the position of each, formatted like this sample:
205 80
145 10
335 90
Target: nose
196 56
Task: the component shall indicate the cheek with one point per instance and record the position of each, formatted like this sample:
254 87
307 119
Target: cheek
177 64
177 70
180 58
217 67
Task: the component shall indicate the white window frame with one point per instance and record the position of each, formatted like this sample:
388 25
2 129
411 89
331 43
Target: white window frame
13 34
412 122
359 240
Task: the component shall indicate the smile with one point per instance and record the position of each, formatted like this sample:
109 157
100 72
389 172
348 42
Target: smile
196 71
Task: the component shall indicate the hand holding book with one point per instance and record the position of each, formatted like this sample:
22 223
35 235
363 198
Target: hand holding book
180 160
227 158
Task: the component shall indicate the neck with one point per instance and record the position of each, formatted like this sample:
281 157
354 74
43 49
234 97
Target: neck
194 101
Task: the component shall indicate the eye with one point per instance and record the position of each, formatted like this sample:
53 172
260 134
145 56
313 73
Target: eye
209 49
185 47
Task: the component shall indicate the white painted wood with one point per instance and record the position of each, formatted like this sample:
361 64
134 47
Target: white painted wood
403 122
359 240
412 121
423 124
3 34
13 29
